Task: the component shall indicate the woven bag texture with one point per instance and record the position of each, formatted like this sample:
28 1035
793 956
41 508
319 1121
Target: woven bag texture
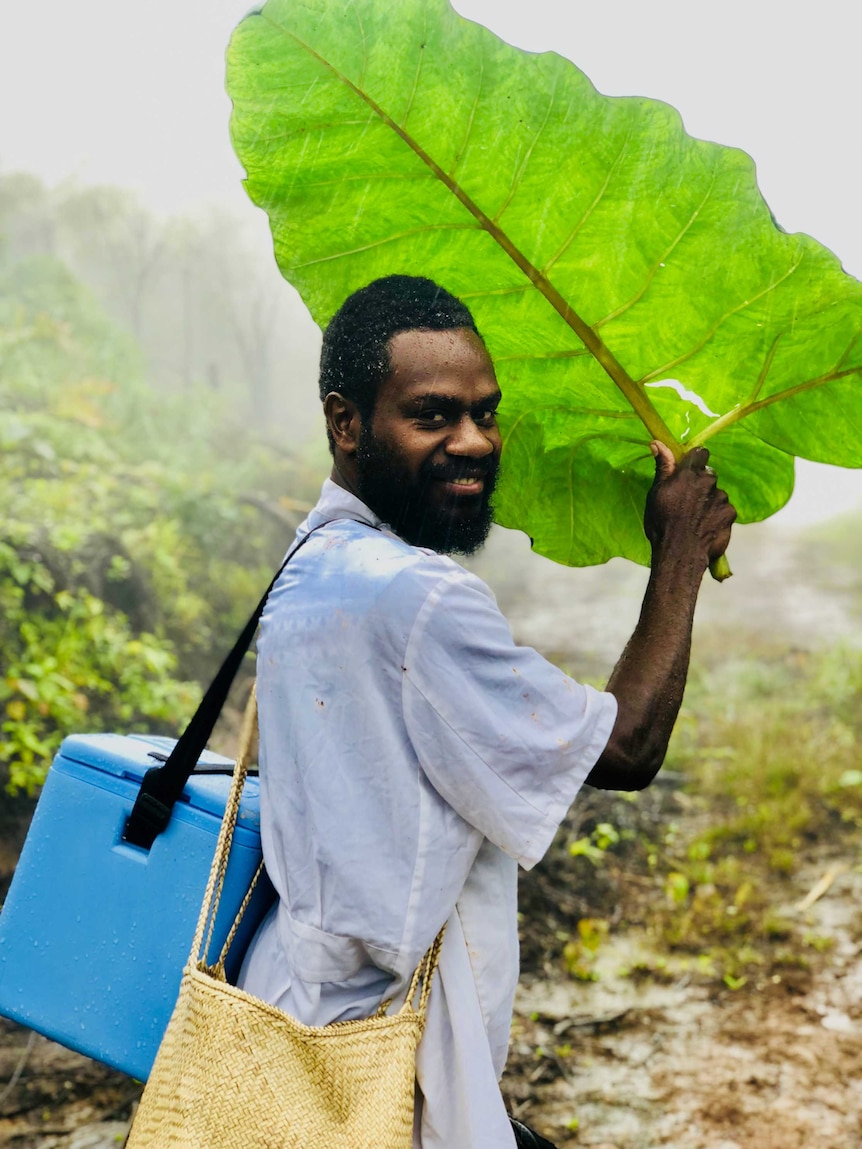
235 1073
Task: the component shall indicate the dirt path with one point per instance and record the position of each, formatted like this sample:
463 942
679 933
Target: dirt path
618 1064
52 1098
681 1066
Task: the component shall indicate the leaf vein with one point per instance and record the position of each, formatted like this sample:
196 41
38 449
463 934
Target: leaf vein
495 291
797 388
307 129
660 372
632 390
387 239
519 175
418 72
364 67
462 151
579 442
558 255
366 177
764 370
742 411
845 355
562 409
571 353
660 262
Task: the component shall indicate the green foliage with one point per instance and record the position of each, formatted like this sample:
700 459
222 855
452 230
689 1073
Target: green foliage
771 768
601 838
629 280
580 952
703 874
199 295
128 558
72 663
53 331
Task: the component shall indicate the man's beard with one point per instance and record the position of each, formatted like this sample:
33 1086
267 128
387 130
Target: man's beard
458 525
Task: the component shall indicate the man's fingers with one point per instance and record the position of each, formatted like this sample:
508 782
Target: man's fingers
696 459
665 463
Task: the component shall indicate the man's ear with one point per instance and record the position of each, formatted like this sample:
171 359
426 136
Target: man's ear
343 421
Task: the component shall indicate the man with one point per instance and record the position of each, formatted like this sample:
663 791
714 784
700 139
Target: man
411 754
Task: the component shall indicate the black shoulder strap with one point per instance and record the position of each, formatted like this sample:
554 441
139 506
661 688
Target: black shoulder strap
162 785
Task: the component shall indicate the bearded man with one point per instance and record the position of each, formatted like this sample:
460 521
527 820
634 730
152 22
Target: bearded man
412 755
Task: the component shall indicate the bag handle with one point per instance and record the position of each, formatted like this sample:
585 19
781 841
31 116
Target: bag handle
218 870
162 785
424 972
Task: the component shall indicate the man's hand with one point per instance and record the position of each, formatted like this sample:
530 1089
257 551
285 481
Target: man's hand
685 510
687 521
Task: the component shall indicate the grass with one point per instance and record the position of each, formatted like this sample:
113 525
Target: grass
765 774
767 747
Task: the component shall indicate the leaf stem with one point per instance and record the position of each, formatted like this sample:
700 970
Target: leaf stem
720 568
742 410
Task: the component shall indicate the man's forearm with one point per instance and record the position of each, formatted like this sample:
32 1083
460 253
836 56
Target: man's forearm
649 679
687 521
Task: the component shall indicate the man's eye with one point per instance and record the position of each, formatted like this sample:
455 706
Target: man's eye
435 418
486 418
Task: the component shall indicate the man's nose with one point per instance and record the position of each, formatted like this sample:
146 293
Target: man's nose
469 440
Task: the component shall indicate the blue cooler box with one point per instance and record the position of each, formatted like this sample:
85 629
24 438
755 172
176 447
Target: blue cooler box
94 933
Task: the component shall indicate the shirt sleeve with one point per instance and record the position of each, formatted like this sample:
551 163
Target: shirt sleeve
503 735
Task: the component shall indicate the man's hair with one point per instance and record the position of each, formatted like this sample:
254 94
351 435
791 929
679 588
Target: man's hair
354 359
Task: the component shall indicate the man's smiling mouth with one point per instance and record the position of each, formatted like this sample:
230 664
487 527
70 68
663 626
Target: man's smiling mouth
465 485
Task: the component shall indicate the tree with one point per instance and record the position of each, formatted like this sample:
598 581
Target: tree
130 551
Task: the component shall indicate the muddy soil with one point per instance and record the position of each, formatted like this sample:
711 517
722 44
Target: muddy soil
620 1063
667 1062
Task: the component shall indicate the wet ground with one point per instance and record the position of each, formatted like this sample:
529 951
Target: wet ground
623 1064
619 1063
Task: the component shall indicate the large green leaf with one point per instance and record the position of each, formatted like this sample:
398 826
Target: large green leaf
603 251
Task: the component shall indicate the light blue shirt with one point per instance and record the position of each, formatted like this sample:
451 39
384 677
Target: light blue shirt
411 756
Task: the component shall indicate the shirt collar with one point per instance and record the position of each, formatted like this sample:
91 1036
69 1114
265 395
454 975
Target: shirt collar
337 503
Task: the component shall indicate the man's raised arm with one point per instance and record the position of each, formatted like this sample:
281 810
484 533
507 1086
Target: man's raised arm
687 521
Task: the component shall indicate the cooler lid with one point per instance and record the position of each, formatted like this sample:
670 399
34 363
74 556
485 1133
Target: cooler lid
129 756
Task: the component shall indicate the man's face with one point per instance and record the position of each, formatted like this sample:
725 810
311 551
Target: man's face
427 461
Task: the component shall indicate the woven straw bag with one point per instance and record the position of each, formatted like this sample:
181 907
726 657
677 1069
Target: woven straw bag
233 1072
